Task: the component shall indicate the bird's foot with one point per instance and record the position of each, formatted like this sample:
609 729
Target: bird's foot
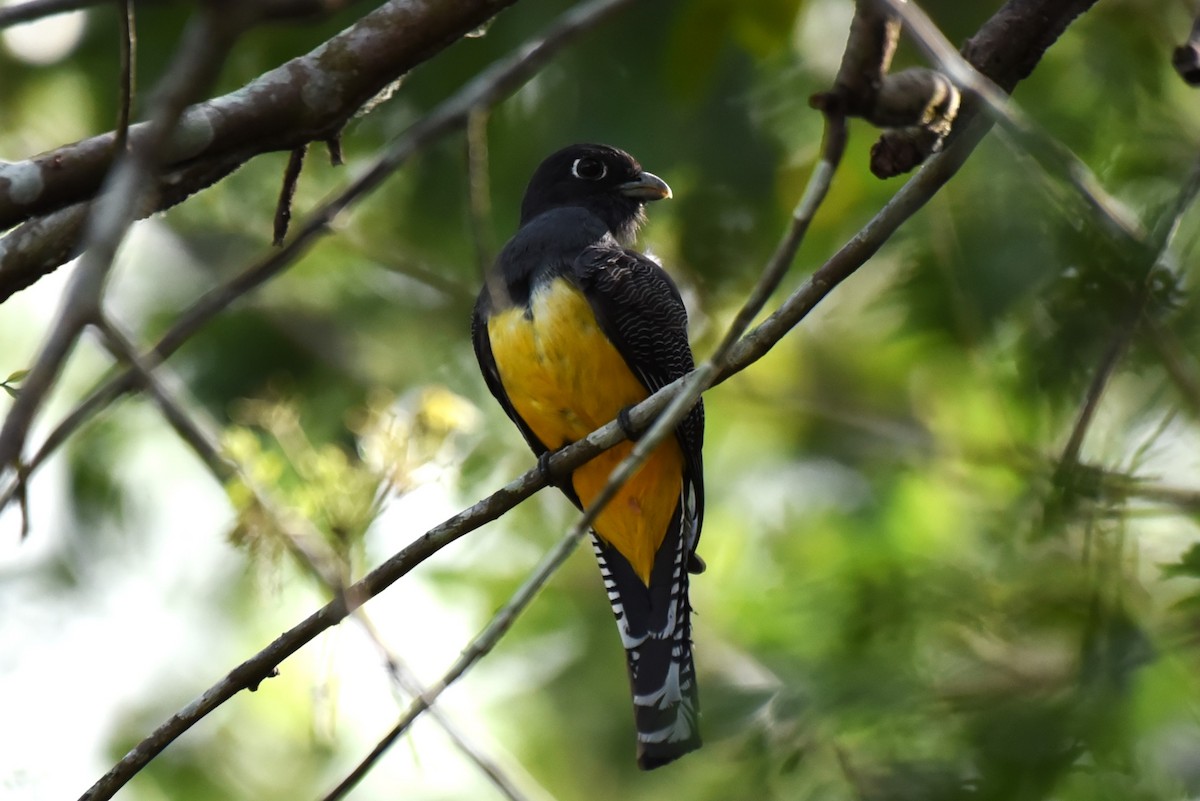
543 467
627 426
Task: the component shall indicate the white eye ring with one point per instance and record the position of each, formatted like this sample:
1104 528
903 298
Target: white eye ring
589 162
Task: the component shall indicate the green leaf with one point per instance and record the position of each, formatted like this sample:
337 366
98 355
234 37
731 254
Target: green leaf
16 377
12 391
1188 566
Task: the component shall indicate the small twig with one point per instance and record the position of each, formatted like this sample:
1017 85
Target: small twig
334 145
202 443
128 73
23 501
479 187
283 208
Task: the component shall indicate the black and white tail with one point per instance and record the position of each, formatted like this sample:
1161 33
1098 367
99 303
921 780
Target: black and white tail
655 627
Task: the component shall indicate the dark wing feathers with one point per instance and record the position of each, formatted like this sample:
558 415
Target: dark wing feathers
639 309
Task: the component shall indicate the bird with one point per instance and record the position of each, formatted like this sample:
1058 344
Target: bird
574 326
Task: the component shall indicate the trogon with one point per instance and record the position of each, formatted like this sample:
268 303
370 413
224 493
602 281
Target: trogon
572 328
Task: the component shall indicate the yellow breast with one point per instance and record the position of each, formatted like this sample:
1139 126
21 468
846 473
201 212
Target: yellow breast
566 379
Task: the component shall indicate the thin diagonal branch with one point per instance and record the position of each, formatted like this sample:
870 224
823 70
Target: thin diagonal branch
301 538
403 677
287 193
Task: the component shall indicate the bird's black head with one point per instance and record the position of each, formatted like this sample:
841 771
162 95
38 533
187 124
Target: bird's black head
604 180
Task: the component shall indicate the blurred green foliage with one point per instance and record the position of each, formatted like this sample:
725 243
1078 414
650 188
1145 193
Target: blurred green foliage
900 603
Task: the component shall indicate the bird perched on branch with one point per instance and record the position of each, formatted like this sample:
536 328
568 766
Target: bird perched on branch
571 329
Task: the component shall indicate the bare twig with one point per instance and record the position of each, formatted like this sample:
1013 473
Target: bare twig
287 192
201 441
334 145
479 187
128 73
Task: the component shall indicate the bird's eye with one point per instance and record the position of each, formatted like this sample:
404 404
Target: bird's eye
589 169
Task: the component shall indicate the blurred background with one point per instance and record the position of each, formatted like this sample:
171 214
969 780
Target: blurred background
901 602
